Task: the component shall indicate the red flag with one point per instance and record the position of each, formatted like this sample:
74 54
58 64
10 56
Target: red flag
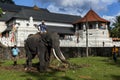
13 37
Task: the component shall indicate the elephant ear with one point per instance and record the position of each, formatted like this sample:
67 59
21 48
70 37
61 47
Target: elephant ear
46 39
55 38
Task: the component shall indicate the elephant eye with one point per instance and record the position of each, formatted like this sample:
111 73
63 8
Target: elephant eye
39 40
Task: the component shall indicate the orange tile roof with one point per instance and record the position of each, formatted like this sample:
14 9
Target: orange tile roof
91 16
116 39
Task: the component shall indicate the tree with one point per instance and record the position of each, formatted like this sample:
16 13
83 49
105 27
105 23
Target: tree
7 1
1 12
115 31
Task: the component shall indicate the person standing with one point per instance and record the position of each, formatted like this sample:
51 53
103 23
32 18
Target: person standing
42 27
15 52
114 53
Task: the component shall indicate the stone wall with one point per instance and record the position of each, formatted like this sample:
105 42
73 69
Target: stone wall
70 52
81 51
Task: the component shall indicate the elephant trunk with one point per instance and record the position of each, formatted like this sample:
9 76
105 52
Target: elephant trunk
58 55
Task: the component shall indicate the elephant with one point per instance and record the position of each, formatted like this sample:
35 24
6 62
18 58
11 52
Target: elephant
42 45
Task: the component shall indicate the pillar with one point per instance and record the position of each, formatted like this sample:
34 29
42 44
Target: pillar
84 27
97 25
106 26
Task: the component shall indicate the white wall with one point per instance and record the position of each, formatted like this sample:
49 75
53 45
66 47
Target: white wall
95 39
24 30
2 26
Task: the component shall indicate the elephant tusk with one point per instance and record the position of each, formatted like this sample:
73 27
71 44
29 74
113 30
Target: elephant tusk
56 55
62 55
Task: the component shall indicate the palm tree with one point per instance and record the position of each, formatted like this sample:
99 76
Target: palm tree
115 31
1 12
5 1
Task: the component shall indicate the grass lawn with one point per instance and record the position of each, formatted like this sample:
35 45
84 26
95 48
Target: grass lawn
90 68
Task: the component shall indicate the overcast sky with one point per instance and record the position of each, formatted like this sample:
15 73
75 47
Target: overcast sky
107 9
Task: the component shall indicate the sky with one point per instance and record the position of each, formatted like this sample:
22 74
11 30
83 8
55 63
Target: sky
107 9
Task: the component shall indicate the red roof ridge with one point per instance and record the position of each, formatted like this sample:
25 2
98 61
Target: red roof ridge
91 16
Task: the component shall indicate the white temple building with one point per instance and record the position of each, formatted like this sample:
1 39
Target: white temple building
94 29
20 22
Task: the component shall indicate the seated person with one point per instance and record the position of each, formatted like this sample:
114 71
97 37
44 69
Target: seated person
42 27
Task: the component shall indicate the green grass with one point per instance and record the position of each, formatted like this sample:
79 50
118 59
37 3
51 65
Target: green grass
91 68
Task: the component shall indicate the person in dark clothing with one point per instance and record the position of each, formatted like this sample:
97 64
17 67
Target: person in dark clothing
42 27
114 53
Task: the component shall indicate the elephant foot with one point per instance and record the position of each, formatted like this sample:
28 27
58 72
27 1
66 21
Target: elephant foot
42 69
28 69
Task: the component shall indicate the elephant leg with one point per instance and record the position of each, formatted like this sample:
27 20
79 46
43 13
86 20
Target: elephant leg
47 57
41 55
28 59
47 60
28 62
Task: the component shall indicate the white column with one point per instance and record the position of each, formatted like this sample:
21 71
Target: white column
106 26
31 21
96 25
76 27
84 27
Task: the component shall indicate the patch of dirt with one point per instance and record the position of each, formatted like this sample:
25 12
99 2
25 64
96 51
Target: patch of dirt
17 67
51 68
76 66
59 68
